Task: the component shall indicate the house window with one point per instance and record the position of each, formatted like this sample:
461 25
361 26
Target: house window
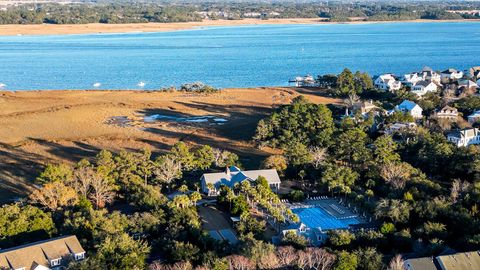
55 262
79 256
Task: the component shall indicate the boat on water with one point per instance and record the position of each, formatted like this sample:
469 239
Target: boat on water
97 85
2 85
141 84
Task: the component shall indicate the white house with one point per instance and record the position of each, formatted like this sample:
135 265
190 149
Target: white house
423 87
387 82
465 137
468 84
54 253
474 117
411 79
400 128
451 74
428 74
211 182
410 107
447 112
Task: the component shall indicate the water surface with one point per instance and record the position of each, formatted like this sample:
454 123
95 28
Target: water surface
241 56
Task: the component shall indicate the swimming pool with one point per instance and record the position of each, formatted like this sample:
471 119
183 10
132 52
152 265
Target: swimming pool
316 217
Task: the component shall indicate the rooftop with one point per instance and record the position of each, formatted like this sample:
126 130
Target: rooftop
40 253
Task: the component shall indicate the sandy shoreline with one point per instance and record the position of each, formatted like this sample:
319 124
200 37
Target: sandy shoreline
64 29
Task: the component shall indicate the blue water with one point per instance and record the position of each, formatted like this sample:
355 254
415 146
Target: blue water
232 56
318 218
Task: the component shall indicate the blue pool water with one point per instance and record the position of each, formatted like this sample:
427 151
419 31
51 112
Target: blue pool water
232 56
318 218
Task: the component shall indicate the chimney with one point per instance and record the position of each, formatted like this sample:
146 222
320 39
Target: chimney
227 172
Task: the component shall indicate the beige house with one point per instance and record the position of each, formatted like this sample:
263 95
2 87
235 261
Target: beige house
54 253
447 112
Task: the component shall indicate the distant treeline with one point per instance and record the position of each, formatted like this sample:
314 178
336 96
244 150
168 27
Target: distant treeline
126 12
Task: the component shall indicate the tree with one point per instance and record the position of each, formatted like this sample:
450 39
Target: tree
298 154
195 197
369 259
395 210
122 252
180 153
20 224
223 158
277 162
396 173
286 256
345 83
183 251
258 251
168 169
315 258
339 177
387 228
340 237
54 195
55 173
238 262
82 179
291 238
351 147
102 192
181 201
303 122
384 150
362 82
397 263
318 156
239 205
145 165
249 224
346 261
203 157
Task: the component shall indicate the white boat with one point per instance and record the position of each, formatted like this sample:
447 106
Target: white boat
97 85
2 85
141 84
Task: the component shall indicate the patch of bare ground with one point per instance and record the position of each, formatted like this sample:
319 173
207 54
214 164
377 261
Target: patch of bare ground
38 127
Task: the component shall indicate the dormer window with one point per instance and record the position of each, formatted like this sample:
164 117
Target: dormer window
55 262
79 256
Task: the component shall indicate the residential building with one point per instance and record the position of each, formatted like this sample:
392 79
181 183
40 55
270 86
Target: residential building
428 74
365 107
474 117
410 79
474 73
447 112
464 137
450 74
211 182
425 263
396 128
54 253
410 107
387 82
450 261
469 84
459 261
423 87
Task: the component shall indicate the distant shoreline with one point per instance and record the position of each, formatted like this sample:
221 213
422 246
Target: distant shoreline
97 28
